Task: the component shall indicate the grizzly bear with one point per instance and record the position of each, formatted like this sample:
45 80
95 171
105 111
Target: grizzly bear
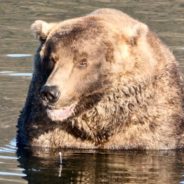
102 81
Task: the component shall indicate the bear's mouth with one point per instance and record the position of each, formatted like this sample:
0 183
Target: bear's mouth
74 109
61 114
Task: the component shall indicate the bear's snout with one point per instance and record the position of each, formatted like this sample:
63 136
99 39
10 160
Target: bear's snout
50 94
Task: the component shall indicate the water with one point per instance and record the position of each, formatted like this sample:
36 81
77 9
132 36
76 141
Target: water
17 47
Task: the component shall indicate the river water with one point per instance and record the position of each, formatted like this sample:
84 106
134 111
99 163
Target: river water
165 17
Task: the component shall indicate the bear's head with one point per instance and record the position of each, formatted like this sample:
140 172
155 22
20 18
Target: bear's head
84 58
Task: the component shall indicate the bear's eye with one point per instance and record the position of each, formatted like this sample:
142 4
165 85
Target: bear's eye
48 65
51 64
52 60
82 63
42 40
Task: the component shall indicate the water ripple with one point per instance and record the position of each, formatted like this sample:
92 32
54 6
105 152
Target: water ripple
15 74
8 157
18 55
9 148
11 174
12 180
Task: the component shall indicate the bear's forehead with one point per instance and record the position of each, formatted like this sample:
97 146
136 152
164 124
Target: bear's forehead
80 36
77 29
75 38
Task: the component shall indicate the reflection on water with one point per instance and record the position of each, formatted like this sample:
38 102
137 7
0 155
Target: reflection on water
9 172
89 167
16 53
15 74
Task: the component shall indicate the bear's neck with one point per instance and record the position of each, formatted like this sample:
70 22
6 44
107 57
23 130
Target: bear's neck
112 113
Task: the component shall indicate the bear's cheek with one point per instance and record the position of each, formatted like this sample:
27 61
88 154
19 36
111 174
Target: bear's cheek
80 85
88 84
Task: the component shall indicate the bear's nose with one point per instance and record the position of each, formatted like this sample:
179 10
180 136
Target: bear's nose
50 94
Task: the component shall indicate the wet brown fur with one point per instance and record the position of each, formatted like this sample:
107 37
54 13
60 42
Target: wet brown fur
135 99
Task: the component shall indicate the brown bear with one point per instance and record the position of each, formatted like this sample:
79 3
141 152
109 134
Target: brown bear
102 81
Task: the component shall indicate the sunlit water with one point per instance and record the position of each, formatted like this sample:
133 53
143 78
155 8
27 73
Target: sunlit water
16 53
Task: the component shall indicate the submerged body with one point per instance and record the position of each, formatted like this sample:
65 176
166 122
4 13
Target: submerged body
102 81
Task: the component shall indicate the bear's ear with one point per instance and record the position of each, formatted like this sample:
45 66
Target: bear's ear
136 33
41 29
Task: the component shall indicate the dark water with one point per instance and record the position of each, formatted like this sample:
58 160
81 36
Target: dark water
166 17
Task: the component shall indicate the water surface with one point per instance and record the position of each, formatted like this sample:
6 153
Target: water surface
165 17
